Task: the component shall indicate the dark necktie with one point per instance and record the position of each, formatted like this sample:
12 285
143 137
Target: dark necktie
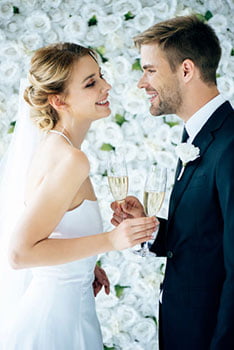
185 136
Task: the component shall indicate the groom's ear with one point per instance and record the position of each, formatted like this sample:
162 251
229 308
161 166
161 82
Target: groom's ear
188 70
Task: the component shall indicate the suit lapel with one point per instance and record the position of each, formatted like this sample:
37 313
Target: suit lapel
202 140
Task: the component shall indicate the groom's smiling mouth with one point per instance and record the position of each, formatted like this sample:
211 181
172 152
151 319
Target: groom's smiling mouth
152 96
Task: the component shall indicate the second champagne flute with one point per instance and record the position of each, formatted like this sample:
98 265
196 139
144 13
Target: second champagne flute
154 194
117 175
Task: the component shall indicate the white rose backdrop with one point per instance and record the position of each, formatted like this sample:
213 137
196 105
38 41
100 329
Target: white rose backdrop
128 315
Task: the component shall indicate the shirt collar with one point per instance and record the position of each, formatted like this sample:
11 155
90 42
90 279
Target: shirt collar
198 119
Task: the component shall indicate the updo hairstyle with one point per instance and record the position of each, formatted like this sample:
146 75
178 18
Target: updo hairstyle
51 68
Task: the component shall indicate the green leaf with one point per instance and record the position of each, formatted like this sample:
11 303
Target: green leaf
92 21
107 147
128 16
201 17
12 127
107 348
15 10
105 173
171 124
119 290
232 52
161 268
153 318
119 119
99 263
136 65
208 15
101 50
218 75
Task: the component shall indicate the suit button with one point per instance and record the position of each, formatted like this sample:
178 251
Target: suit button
169 254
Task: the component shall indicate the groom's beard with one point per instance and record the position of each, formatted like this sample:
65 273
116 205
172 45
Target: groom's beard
169 99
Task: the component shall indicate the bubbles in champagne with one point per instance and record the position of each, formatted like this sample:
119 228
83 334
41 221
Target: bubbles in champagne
153 202
118 186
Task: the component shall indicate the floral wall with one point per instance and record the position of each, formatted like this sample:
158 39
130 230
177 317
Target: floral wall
128 315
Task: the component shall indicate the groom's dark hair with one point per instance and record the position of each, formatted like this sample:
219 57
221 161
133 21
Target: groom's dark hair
186 37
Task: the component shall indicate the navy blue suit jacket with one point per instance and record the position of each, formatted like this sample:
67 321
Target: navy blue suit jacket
198 240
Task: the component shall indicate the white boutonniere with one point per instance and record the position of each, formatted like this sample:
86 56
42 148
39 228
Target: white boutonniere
187 153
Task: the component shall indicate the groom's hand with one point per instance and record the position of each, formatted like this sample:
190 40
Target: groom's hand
130 208
101 280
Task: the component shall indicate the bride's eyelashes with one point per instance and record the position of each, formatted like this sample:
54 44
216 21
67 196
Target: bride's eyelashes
92 83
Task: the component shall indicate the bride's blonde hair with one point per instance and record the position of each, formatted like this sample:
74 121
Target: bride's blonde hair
51 68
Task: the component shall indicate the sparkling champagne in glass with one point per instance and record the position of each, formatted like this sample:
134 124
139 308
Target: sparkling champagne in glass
154 193
117 176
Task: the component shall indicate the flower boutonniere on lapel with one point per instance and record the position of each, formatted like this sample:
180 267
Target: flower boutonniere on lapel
187 153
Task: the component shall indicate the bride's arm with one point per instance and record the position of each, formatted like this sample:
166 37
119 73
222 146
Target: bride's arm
30 245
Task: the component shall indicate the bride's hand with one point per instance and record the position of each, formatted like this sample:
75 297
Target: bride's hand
132 231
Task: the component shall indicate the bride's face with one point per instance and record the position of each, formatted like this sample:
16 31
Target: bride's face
87 91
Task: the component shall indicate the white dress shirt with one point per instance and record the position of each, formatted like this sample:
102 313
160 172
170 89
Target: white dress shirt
198 119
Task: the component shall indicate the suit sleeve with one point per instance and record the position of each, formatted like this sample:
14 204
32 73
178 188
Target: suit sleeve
224 333
159 245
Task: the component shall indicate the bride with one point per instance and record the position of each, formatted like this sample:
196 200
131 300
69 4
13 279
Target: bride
59 231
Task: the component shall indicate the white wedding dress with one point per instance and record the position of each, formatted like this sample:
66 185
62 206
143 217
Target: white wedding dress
57 312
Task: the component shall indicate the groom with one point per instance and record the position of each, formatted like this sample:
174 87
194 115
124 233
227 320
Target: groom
179 61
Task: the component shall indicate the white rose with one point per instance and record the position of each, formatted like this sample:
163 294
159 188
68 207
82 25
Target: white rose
14 27
218 22
38 22
144 330
54 35
91 9
70 6
122 68
57 15
113 274
130 272
228 66
127 317
217 6
2 36
10 51
166 159
109 24
187 152
134 101
114 257
75 28
132 130
112 133
165 9
30 41
124 6
144 19
134 346
48 6
175 134
93 37
122 339
107 301
6 10
225 86
10 71
26 5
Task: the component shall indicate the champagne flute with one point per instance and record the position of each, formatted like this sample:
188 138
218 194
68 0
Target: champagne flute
154 193
117 176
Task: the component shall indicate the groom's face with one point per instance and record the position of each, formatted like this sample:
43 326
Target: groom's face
161 84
